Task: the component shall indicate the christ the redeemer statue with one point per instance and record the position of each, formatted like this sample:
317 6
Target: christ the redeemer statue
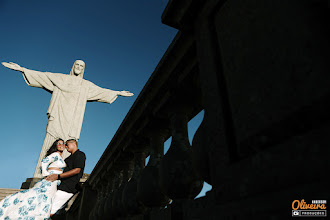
67 105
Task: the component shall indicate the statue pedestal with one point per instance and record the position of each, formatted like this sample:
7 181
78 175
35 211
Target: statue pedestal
29 183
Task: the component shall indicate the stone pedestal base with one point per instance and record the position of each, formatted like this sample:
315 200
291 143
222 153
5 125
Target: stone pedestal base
29 183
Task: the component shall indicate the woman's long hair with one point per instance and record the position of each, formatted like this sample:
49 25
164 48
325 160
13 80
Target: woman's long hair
53 148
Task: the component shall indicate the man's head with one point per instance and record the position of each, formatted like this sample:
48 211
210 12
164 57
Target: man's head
71 146
78 68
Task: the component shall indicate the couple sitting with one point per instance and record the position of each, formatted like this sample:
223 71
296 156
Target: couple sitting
51 193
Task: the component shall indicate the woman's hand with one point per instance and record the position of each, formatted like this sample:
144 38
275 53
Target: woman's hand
13 66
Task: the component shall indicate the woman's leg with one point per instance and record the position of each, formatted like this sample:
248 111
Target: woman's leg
59 200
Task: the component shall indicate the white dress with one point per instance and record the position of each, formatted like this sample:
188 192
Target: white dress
34 203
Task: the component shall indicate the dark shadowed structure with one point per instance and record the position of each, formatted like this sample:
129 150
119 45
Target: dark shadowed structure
260 71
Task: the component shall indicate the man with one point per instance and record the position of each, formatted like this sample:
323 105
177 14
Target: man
73 171
70 93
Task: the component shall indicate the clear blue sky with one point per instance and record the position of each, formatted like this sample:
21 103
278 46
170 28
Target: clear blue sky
121 43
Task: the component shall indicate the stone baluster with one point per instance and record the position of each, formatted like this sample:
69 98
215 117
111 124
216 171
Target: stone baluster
87 198
118 177
130 200
100 208
108 193
178 178
99 202
126 163
93 214
149 191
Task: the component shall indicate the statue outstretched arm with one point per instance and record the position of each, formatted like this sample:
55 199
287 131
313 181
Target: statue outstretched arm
125 93
98 94
34 78
13 66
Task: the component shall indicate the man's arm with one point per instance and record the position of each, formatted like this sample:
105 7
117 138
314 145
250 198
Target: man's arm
67 174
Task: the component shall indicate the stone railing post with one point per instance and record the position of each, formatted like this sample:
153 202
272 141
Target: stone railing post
125 162
131 202
93 213
118 178
100 208
178 178
88 197
108 193
149 191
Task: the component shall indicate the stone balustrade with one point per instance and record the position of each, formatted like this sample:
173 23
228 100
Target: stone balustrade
259 70
122 184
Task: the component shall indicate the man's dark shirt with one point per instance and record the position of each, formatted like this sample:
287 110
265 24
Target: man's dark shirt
75 160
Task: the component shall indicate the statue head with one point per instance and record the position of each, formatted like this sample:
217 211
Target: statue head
78 68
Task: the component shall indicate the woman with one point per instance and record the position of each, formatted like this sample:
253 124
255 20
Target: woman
35 203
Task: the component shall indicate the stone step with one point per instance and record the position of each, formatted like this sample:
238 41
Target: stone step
5 192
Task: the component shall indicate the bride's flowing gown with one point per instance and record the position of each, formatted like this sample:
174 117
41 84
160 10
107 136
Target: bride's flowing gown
34 203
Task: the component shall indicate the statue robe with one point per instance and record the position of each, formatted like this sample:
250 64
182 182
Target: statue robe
69 96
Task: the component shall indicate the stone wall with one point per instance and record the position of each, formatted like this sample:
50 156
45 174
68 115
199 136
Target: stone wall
259 70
